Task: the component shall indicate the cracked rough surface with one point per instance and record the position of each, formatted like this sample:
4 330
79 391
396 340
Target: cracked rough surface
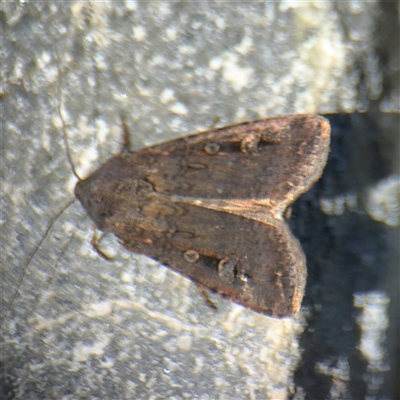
81 326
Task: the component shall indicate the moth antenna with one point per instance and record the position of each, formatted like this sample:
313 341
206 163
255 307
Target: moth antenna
68 154
66 143
54 268
53 220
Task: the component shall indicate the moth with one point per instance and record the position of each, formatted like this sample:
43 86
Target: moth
211 206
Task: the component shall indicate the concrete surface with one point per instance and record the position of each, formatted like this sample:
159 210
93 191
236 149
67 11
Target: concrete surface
84 327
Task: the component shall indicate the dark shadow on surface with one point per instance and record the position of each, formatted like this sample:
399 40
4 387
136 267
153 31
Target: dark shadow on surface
351 253
347 253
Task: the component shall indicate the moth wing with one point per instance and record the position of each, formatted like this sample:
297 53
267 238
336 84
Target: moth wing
257 264
210 206
268 162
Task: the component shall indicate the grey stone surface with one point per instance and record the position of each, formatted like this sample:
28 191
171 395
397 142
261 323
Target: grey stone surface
83 327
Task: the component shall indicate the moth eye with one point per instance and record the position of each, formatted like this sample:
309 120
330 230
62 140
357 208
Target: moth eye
226 270
191 256
249 144
212 148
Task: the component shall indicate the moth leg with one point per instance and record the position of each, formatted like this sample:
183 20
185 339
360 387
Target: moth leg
96 238
125 131
205 292
288 213
214 123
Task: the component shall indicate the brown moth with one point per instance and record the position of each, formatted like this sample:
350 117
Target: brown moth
210 206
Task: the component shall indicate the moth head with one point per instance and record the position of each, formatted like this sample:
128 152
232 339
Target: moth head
93 197
101 193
